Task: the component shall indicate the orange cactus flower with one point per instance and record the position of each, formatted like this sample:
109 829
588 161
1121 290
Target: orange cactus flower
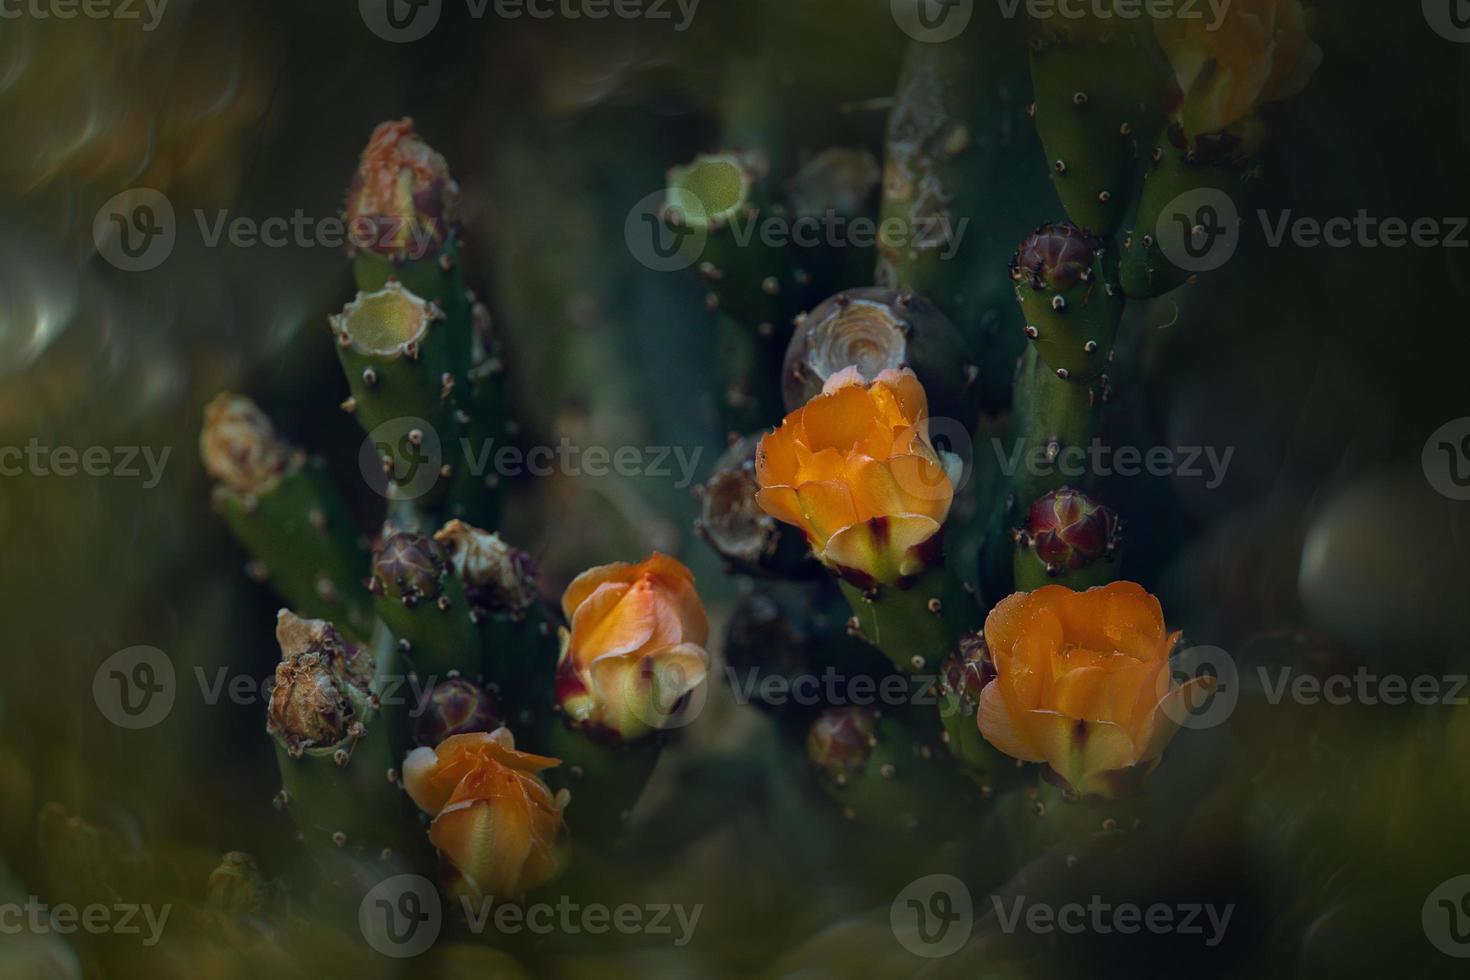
635 649
854 470
1083 683
496 823
1258 52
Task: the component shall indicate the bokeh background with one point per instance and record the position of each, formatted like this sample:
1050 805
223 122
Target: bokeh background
1326 547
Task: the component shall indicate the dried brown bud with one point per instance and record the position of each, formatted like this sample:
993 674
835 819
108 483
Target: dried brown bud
496 576
239 445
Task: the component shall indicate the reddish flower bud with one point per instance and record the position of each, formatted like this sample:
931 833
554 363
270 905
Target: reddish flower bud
1057 256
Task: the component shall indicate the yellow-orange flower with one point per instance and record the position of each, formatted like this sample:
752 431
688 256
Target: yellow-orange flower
496 822
1083 683
854 469
1258 52
635 649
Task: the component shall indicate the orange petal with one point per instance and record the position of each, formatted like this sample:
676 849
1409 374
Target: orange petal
828 508
617 618
998 724
775 455
836 421
588 582
926 488
782 504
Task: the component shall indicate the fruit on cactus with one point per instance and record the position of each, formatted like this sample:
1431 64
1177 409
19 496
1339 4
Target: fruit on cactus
1067 284
875 768
873 330
1083 684
713 205
516 630
854 470
425 606
1096 89
1068 539
402 203
285 512
396 353
335 748
733 524
1259 53
636 648
454 707
496 824
321 683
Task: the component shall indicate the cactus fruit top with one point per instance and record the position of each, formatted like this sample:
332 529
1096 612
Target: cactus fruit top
1068 529
635 650
239 445
389 322
874 330
841 741
401 202
312 702
408 566
709 192
1066 283
496 824
455 707
496 576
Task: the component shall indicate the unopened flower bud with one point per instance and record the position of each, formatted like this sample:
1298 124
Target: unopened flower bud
1070 538
455 707
239 445
408 566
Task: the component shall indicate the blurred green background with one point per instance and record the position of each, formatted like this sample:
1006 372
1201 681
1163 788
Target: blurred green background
1325 369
